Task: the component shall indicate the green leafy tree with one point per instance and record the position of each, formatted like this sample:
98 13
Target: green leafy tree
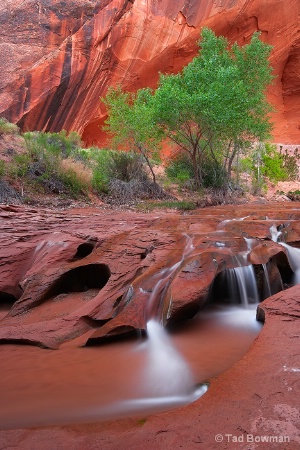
217 102
130 123
210 110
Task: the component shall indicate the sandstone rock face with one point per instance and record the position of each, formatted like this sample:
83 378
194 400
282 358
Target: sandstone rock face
78 272
58 58
84 275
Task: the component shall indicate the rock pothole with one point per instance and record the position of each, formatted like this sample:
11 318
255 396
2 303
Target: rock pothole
80 279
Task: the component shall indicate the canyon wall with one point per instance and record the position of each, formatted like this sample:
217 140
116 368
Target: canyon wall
59 57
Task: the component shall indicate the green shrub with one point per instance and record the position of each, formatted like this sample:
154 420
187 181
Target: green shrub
180 169
42 164
290 163
8 128
294 195
273 164
214 175
181 205
19 166
72 183
100 169
61 143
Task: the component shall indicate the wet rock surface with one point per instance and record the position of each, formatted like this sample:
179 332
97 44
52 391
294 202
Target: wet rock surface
79 276
49 261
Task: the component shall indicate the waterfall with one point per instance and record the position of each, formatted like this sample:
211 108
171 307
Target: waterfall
275 233
293 254
155 305
242 281
155 302
167 374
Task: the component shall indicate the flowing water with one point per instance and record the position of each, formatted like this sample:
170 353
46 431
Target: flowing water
138 377
242 284
293 253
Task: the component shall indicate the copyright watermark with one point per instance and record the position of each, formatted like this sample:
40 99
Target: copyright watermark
251 438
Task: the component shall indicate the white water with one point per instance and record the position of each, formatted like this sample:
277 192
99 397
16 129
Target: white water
294 260
221 224
166 374
246 284
155 302
40 387
242 280
275 233
242 285
293 254
157 295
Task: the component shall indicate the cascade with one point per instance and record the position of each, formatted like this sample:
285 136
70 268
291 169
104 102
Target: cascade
294 260
242 281
155 302
167 373
242 284
293 253
275 233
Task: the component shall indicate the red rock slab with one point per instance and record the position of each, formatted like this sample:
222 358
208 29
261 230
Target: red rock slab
93 273
257 397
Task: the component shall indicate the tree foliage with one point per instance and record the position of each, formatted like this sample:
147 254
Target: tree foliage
210 109
130 123
217 102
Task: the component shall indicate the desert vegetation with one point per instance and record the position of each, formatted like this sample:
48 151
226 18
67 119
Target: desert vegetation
212 120
56 165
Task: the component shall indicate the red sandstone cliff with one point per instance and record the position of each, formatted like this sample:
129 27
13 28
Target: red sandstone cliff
58 57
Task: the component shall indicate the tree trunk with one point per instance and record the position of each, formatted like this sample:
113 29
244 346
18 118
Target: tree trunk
231 159
196 166
148 163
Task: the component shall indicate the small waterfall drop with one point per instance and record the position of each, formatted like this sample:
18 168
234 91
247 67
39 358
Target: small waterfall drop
155 302
293 254
294 260
242 285
275 233
242 280
167 373
155 305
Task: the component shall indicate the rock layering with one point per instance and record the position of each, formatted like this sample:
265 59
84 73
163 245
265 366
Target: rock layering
58 58
257 397
85 275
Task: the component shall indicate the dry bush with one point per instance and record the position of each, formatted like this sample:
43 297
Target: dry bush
8 194
82 172
122 192
215 197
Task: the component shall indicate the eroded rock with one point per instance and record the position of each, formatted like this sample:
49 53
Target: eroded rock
85 275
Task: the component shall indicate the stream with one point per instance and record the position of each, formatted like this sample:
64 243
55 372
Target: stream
138 377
